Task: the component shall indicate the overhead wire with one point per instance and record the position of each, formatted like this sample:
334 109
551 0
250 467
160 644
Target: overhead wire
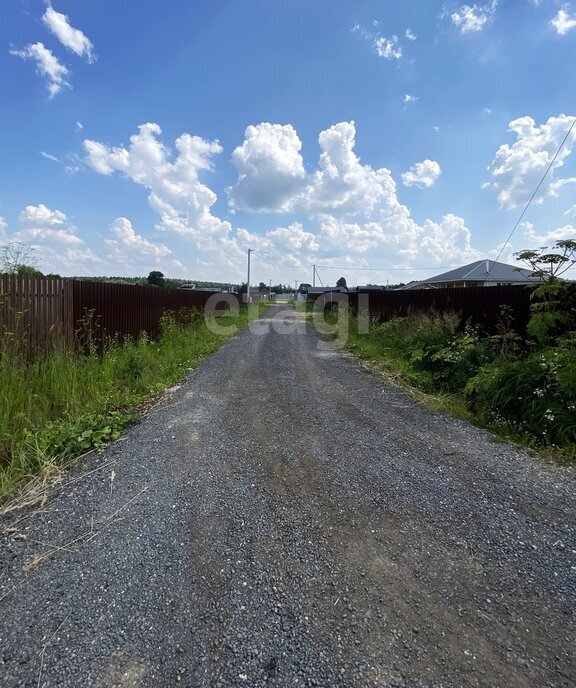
534 193
352 267
279 267
436 267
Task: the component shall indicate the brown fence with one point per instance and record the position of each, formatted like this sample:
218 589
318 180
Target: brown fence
481 306
37 312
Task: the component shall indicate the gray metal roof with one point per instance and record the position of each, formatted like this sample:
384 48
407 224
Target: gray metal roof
324 290
483 271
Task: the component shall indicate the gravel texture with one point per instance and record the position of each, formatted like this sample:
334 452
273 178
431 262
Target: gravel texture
286 518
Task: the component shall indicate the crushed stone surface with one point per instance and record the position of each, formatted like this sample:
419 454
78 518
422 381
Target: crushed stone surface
287 518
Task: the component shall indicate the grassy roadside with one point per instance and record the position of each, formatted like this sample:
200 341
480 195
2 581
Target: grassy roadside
525 395
67 403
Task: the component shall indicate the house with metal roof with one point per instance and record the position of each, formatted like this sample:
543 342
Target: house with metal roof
481 273
325 290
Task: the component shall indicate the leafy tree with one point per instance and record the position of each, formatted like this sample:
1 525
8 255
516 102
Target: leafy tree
27 271
156 278
342 283
262 287
548 310
16 258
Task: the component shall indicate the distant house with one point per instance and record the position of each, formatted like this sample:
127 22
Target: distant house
325 290
482 273
257 295
314 292
370 287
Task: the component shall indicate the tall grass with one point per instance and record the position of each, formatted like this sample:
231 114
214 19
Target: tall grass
66 402
524 391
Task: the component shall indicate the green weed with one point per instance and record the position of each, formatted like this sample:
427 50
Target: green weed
65 403
527 393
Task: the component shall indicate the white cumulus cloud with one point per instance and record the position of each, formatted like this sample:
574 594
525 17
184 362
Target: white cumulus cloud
40 223
410 35
176 193
447 241
423 174
345 212
342 184
270 168
3 227
359 217
42 215
290 247
132 253
547 238
47 65
563 22
55 242
473 18
518 168
125 236
71 38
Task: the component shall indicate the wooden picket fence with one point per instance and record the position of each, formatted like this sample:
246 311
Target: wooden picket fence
37 313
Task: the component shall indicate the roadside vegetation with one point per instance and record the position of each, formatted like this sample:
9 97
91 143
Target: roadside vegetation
65 403
523 388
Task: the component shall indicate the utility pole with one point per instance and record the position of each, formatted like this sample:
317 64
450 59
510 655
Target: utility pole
248 280
313 275
270 290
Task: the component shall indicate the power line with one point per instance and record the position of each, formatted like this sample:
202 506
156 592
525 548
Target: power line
535 192
351 267
279 267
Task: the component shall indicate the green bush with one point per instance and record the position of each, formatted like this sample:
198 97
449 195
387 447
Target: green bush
527 393
442 354
534 395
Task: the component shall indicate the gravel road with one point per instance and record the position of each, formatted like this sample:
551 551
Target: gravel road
286 518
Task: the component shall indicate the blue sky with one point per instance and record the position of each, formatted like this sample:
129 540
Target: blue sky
388 139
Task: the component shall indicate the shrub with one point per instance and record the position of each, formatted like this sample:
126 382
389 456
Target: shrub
436 347
528 393
534 395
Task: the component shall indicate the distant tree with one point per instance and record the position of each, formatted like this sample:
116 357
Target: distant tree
16 258
342 283
28 271
262 287
242 288
156 278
